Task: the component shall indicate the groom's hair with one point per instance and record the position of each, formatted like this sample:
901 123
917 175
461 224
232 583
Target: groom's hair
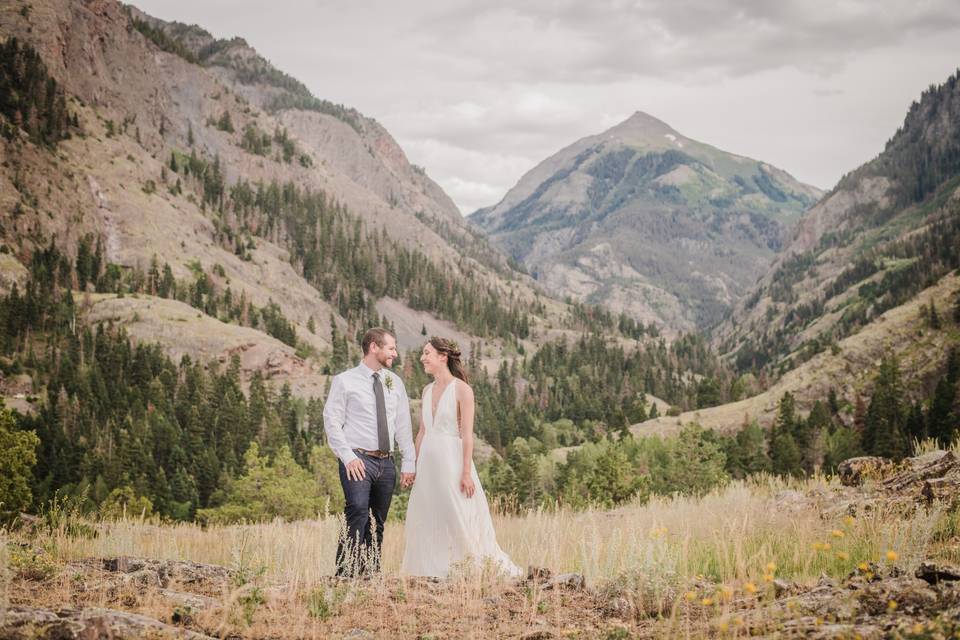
375 334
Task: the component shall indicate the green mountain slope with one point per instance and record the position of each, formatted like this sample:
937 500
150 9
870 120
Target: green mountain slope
886 231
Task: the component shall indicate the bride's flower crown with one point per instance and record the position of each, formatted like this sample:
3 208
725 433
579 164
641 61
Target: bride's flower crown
447 345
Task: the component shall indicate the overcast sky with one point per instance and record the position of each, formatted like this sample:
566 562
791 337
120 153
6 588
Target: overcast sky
480 92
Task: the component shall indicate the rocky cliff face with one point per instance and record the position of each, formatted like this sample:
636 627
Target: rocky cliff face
648 221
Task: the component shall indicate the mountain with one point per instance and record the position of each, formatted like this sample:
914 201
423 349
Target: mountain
848 369
645 220
135 150
888 230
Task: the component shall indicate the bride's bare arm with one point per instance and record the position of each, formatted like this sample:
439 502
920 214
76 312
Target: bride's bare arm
467 406
421 430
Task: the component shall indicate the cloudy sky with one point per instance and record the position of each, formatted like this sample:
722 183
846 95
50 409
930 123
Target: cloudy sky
480 92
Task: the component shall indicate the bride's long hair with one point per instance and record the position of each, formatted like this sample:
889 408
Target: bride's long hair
452 351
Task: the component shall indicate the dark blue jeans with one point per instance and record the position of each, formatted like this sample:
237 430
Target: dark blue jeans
359 551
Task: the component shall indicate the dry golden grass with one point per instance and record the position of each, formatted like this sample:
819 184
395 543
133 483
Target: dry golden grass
687 558
729 534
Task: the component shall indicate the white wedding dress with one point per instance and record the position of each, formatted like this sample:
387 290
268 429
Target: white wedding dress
444 527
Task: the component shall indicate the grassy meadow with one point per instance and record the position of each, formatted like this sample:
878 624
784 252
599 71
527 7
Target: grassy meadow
672 566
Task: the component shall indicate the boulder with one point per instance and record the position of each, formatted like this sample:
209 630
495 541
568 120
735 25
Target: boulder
28 623
854 471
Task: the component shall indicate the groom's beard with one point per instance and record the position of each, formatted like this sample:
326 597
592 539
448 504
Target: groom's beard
385 361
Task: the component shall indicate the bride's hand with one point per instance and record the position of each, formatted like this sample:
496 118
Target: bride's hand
467 486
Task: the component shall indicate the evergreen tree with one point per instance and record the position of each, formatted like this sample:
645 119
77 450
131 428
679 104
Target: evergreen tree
941 423
842 444
935 322
785 456
885 420
916 425
225 123
747 452
17 457
708 393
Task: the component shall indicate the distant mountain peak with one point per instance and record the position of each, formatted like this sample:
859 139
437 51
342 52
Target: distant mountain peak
685 227
645 121
643 130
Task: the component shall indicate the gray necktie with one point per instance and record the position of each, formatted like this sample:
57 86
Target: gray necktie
383 433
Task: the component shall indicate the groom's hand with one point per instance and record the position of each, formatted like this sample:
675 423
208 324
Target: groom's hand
355 470
406 479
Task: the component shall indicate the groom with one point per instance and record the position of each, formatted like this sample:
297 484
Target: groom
366 410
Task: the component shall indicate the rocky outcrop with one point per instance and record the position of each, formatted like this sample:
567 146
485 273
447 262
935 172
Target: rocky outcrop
28 623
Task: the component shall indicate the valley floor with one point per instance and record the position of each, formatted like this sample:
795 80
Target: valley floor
764 557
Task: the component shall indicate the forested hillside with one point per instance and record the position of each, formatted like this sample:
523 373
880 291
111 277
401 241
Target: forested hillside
887 230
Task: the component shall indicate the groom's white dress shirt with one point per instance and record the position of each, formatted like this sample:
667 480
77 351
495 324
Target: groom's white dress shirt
350 415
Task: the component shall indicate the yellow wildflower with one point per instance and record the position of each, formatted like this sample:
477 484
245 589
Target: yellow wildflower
863 566
892 555
843 555
707 602
690 596
750 588
768 577
837 533
771 568
892 605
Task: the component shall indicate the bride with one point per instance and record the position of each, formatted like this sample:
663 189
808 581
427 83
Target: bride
448 519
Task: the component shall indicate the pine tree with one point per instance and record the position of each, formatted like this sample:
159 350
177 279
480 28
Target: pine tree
916 425
785 455
940 421
747 453
225 123
934 316
885 420
17 457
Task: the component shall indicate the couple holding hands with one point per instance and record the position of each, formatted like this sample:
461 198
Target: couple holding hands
367 410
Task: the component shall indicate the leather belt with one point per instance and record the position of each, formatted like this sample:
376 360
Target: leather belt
373 454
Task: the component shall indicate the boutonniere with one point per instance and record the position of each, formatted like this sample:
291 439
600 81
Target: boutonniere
388 381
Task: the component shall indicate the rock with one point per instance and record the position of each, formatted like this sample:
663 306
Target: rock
192 600
163 572
28 523
567 581
358 634
935 573
782 587
23 623
909 595
142 578
618 607
790 499
936 464
538 574
853 472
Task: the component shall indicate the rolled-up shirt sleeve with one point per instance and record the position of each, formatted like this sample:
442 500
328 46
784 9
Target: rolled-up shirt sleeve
334 416
404 434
